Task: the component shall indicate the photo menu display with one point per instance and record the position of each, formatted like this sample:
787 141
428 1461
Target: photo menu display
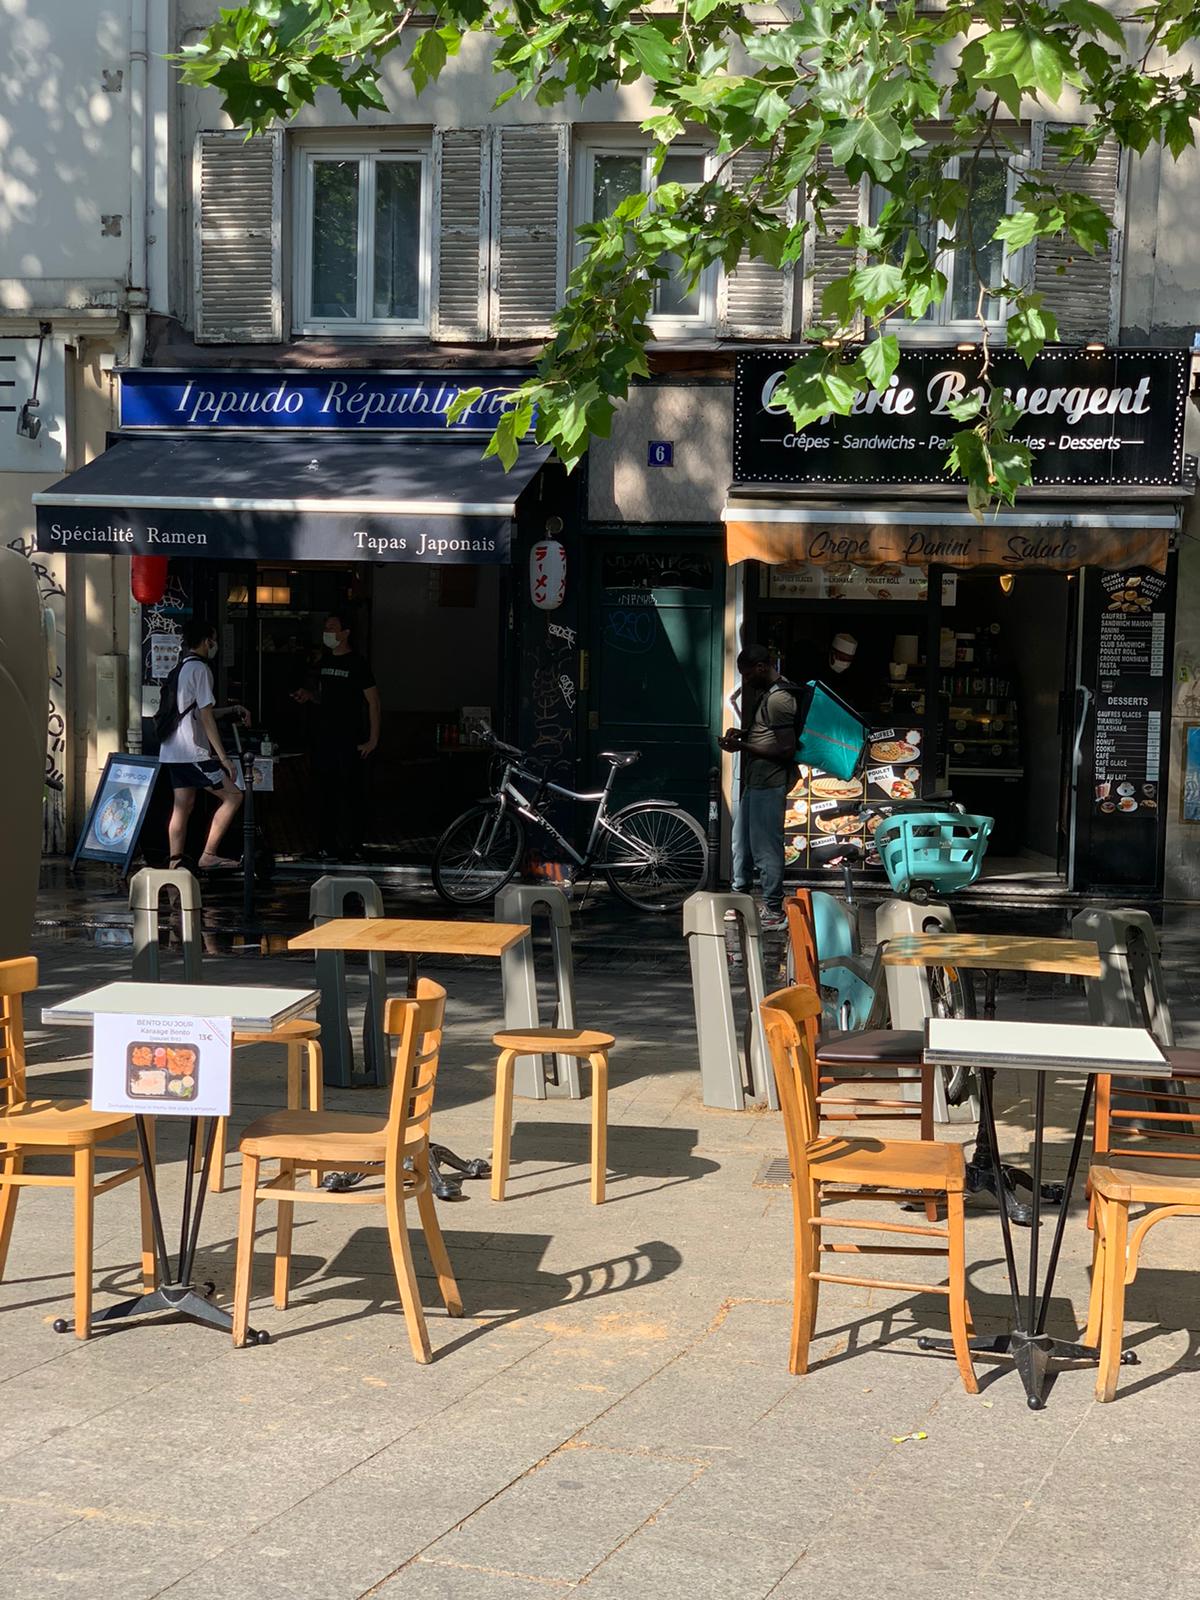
1130 689
820 818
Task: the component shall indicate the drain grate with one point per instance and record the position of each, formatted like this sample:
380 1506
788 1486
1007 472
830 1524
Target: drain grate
774 1174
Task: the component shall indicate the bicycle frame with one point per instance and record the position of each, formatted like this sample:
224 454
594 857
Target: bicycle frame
508 795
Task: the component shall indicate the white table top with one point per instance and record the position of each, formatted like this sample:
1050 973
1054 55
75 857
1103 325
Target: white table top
252 1009
1044 1046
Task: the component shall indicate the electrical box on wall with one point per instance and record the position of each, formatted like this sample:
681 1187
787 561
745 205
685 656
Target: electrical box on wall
110 706
47 451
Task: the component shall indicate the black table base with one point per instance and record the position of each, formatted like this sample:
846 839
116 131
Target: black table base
1034 1352
176 1293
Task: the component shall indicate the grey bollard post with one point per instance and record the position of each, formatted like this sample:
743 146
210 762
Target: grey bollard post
327 900
146 889
723 1078
1130 992
910 1001
518 973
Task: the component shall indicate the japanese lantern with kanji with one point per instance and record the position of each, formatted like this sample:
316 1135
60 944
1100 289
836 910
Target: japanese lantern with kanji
548 574
148 579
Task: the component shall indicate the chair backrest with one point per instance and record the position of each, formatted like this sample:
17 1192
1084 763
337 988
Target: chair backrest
421 1081
789 1015
17 978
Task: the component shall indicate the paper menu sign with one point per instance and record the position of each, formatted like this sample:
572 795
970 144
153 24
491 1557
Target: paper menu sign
162 1066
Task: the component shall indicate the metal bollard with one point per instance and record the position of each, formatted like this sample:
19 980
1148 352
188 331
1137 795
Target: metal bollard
724 1080
714 828
518 973
327 900
146 889
910 1000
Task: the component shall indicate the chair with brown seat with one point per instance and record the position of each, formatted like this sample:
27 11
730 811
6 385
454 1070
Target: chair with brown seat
1130 1167
846 1058
585 1044
63 1128
834 1167
300 1038
392 1149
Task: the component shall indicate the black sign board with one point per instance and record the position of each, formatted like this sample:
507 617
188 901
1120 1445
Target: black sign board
115 818
1124 654
1110 417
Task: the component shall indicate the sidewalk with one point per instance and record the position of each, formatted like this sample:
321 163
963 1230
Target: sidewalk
614 1414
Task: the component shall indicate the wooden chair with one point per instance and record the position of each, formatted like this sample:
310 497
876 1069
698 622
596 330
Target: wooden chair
862 1169
64 1128
585 1044
872 1056
299 1038
1131 1168
348 1141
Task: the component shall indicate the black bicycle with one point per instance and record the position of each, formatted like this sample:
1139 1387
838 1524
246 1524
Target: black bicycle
653 853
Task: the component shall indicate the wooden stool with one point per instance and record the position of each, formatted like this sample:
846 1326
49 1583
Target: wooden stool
300 1038
585 1044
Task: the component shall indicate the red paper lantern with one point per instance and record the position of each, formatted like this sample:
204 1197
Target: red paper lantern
148 579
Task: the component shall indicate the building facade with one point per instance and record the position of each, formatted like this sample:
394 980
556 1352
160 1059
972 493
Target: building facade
434 240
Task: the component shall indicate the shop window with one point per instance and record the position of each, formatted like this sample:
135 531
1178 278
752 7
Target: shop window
362 247
609 174
958 310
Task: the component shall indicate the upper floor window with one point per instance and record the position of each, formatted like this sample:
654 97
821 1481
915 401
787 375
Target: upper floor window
610 174
362 248
980 258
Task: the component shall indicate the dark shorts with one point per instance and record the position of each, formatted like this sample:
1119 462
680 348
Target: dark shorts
195 774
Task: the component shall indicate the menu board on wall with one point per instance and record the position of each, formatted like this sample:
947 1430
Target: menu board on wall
821 817
1130 661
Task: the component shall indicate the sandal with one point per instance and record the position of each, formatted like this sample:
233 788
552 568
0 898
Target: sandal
210 863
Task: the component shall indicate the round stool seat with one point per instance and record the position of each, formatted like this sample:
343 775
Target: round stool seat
557 1041
297 1028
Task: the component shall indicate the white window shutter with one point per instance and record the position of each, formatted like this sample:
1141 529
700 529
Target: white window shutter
529 229
823 261
755 300
462 176
1082 290
237 202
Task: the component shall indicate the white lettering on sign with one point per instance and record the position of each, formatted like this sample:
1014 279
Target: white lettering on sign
106 535
945 388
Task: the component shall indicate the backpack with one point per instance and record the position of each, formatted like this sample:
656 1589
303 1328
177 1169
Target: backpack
830 734
170 714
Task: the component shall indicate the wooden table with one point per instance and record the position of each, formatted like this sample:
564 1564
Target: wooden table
1042 1048
992 953
253 1010
413 938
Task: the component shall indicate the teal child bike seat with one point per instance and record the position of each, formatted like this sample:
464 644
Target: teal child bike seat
936 850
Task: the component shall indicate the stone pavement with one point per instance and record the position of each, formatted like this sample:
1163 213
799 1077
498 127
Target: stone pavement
613 1415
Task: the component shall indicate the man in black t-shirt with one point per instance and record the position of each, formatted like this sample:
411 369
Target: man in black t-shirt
767 745
347 702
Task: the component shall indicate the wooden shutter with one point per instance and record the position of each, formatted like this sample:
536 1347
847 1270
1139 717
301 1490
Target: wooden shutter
1084 296
756 301
462 185
237 199
529 229
823 260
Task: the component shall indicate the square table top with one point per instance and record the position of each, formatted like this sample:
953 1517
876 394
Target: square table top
412 936
1044 1046
253 1009
995 952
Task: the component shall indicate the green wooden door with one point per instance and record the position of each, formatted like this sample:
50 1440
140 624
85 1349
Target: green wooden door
655 643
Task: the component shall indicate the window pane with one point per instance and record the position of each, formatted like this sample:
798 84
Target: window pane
397 290
335 240
989 203
614 178
673 298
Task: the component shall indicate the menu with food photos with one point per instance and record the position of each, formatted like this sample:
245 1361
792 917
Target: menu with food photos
820 818
162 1066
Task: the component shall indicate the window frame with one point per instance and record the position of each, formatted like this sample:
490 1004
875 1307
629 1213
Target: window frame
368 156
942 328
704 323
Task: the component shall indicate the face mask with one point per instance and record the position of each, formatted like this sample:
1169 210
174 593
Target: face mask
212 650
330 641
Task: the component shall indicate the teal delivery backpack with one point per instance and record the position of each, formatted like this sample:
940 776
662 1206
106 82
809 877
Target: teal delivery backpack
830 735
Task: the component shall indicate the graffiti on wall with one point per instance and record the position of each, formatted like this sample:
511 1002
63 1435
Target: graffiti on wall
53 597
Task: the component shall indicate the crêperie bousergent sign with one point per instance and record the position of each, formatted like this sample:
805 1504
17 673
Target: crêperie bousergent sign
1107 417
353 401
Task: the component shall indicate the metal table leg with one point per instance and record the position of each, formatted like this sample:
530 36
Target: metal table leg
176 1292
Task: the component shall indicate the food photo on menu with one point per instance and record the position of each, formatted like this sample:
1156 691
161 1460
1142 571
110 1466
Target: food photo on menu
162 1072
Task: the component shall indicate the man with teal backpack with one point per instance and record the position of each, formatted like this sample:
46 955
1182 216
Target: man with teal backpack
768 750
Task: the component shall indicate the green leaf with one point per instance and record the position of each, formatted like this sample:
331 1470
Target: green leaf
878 286
1031 327
1092 18
880 359
1021 228
655 55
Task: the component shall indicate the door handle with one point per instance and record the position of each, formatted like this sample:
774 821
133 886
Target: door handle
1084 704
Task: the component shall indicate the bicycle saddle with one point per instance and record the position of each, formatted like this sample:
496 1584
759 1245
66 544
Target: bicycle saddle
620 758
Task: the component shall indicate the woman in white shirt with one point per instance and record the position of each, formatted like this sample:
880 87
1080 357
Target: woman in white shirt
192 754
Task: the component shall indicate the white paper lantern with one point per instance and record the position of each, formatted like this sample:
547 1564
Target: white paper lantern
548 574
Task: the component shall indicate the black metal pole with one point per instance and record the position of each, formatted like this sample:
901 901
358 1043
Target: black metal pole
247 760
189 1173
1039 1140
160 1238
1060 1226
714 827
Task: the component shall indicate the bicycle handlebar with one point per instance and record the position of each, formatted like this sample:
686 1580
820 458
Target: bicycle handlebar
498 744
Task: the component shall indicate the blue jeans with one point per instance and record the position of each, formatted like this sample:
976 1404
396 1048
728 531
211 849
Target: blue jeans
758 842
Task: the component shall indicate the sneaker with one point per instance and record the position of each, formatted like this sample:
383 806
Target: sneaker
773 921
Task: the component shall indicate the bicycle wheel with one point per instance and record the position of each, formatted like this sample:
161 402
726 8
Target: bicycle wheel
477 855
950 997
657 857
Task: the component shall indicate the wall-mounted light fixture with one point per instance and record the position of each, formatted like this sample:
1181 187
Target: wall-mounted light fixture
1007 579
29 424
